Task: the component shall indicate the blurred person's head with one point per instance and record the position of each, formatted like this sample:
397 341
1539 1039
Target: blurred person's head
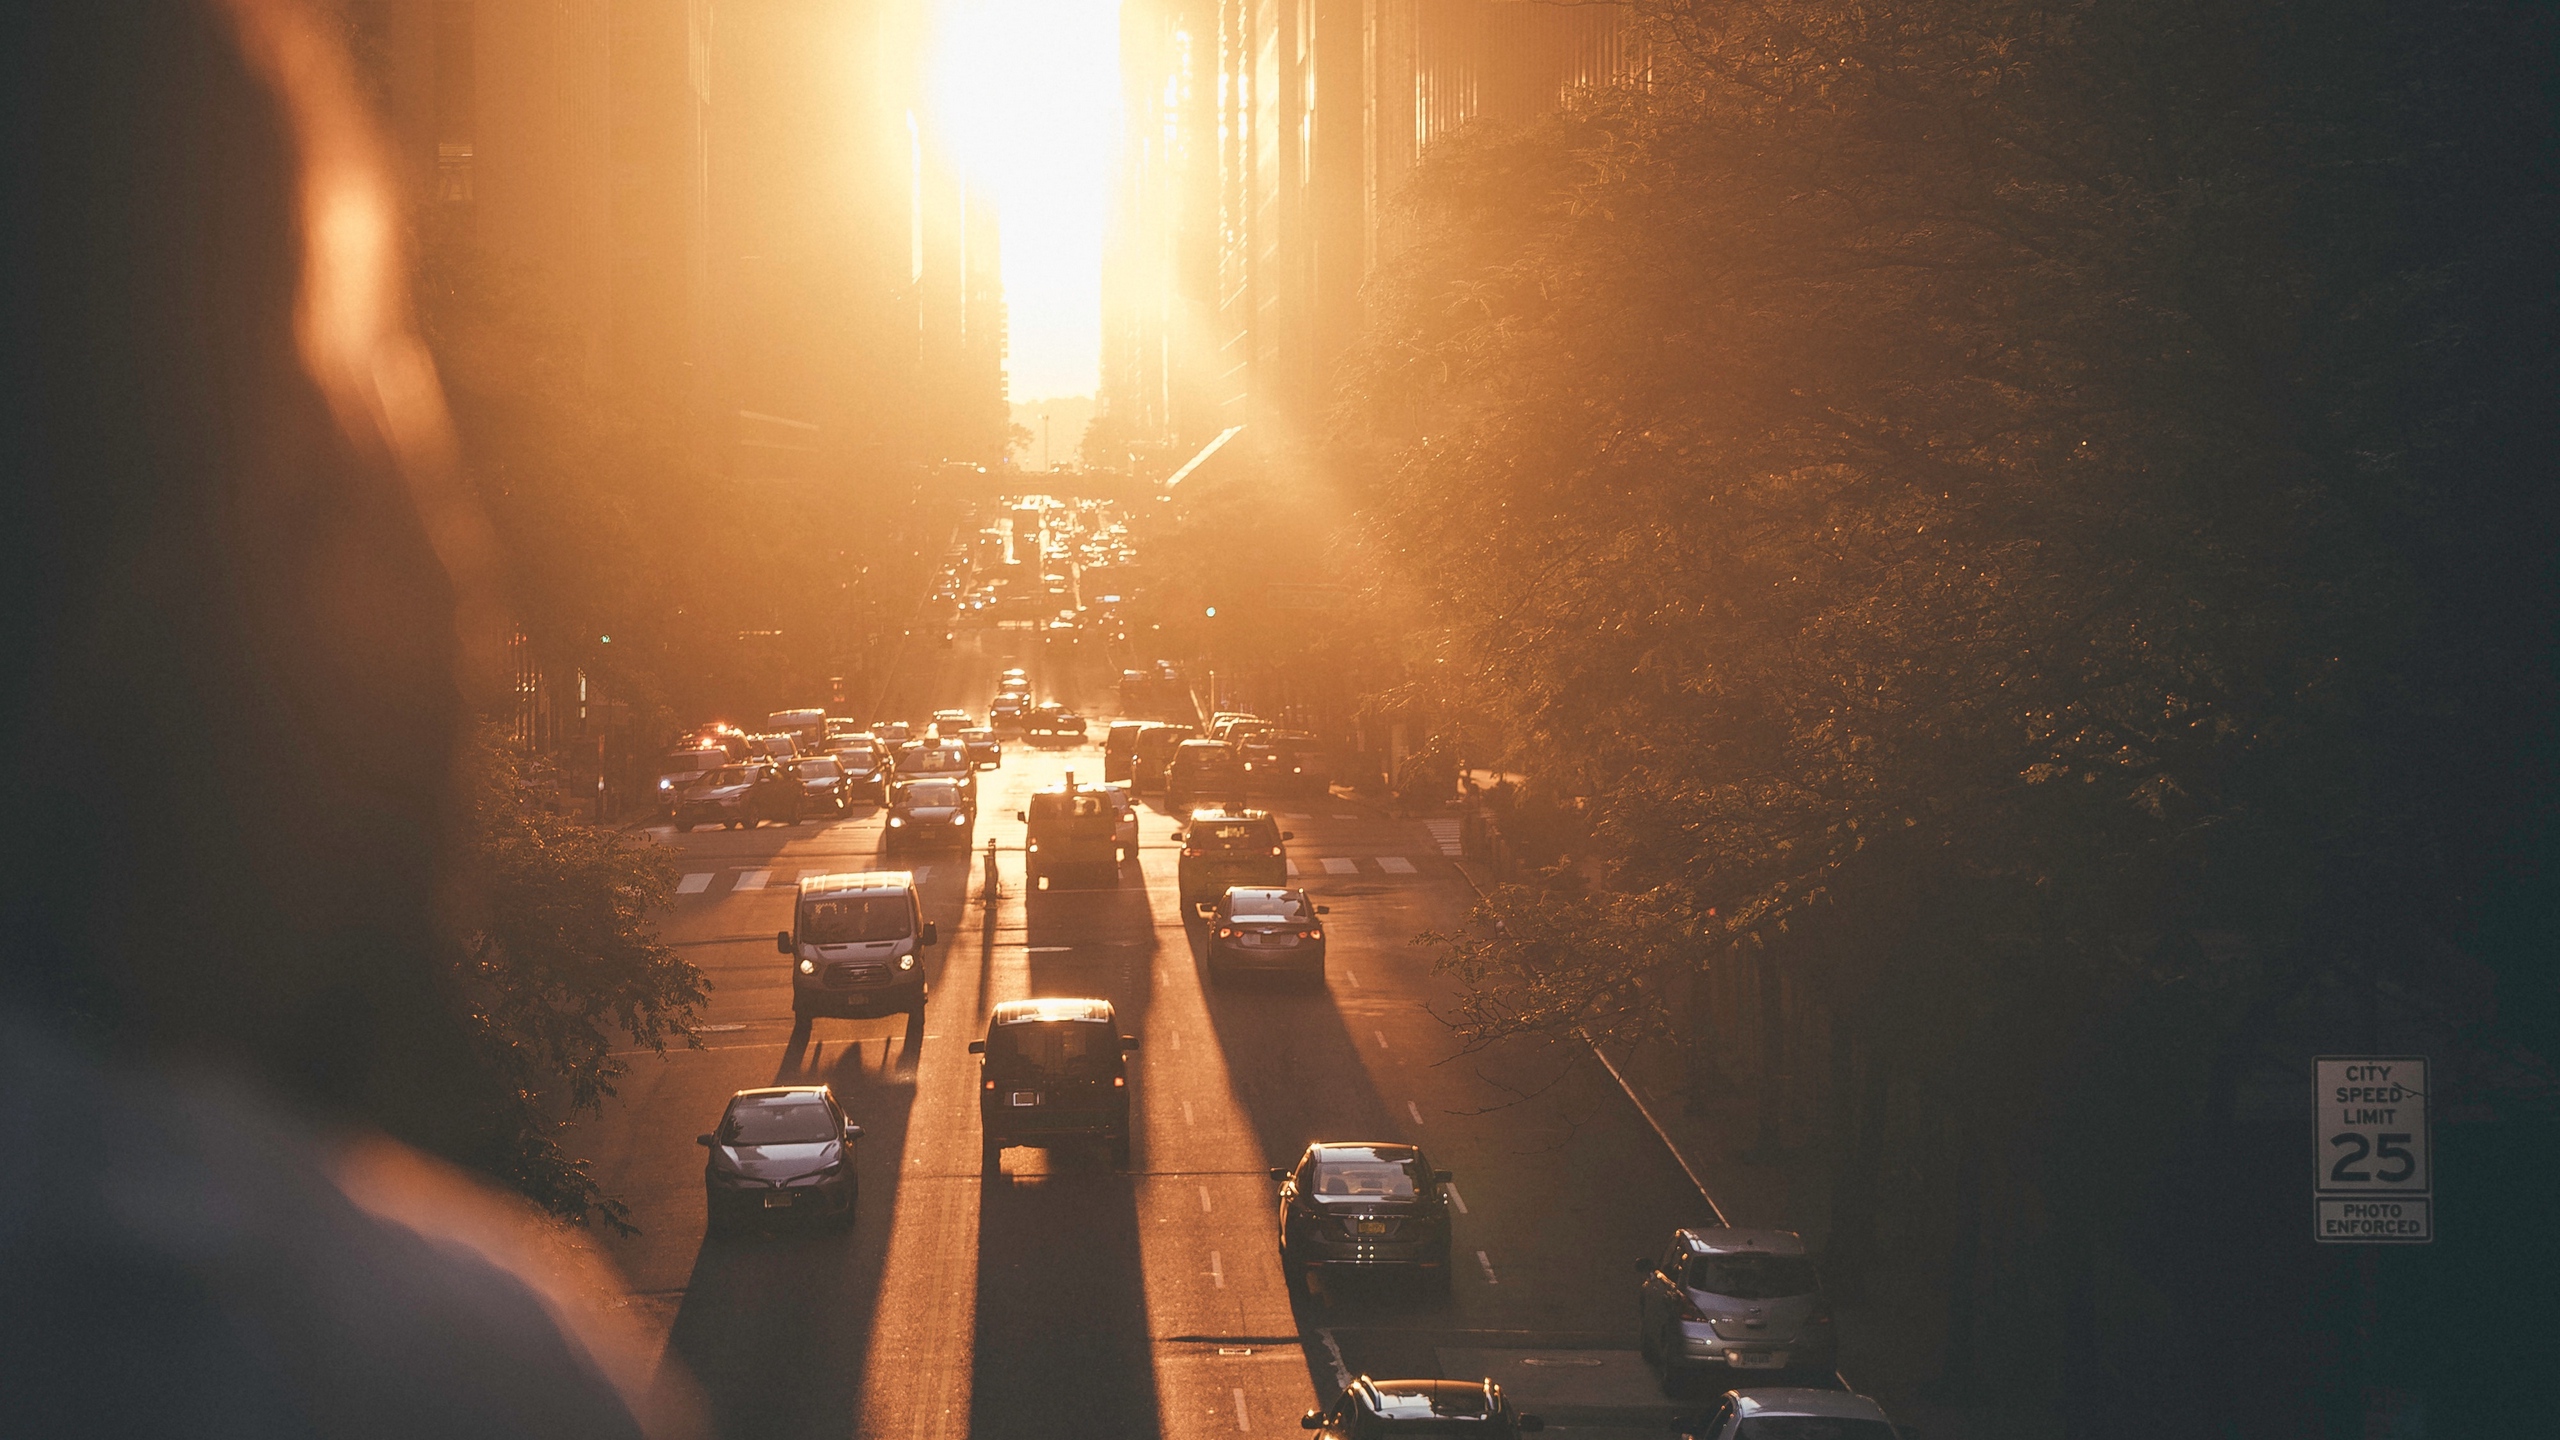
231 647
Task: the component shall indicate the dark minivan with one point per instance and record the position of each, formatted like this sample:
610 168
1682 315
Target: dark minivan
1153 752
1054 1072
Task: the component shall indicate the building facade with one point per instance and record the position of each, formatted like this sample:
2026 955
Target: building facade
1265 140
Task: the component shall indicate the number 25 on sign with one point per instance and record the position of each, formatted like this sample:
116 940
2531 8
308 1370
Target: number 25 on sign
2371 1180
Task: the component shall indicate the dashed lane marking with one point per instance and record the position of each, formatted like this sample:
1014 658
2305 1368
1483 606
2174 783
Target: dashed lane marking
1395 865
1334 865
1455 1198
1217 1270
1413 1110
1186 1112
1382 1039
1352 976
1242 1423
1204 1199
694 884
1297 817
1489 1277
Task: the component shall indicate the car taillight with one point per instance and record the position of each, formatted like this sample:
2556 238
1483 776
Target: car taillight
1226 932
1119 1082
991 1085
1275 849
1190 853
1310 934
1687 1309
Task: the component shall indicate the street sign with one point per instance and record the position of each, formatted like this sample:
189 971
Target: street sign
2373 1181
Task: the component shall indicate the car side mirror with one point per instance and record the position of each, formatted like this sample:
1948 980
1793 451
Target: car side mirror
706 1139
1280 1173
1530 1424
932 934
1442 1177
782 941
1288 834
977 1047
1312 1420
1324 909
1022 815
1128 1043
853 1132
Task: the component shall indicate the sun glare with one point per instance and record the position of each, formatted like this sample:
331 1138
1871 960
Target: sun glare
1026 101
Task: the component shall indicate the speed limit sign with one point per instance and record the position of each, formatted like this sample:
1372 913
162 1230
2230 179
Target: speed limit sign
2372 1183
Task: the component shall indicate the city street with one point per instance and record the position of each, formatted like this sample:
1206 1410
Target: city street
1063 1297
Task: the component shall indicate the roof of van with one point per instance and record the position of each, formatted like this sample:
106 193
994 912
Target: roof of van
856 881
1029 1012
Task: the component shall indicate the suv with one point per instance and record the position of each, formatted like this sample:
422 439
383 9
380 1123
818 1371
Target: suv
1733 1300
787 1149
1363 1205
1230 847
855 947
1203 768
1285 762
740 795
1152 751
1054 1070
1073 834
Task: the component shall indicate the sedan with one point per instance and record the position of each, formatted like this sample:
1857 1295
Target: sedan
1722 1301
986 752
787 1150
1787 1414
1356 1206
928 812
1263 928
824 785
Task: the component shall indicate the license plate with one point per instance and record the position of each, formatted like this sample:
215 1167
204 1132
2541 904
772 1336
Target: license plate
777 1202
1370 1227
1026 1097
1757 1359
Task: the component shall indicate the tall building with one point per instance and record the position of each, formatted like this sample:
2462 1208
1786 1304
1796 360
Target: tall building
1265 139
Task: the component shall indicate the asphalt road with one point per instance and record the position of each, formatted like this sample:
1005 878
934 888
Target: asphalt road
1063 1297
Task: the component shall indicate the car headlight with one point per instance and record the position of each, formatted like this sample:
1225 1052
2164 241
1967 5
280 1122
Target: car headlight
897 820
907 961
666 784
808 967
960 819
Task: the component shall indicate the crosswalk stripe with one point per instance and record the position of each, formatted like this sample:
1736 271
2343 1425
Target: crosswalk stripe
1395 865
694 884
1338 866
1444 833
1293 870
1297 817
753 879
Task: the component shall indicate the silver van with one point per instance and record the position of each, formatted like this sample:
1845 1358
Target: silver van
856 946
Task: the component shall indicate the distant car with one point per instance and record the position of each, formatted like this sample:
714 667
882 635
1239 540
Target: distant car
824 785
1790 1414
929 813
681 770
985 751
1719 1301
1053 1071
775 746
939 760
1222 848
1005 713
740 796
1119 746
948 723
1286 762
1359 1205
1152 751
1270 928
1053 725
1382 1409
892 732
864 767
782 1151
1203 770
1226 720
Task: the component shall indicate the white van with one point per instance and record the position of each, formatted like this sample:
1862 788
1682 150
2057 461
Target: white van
856 946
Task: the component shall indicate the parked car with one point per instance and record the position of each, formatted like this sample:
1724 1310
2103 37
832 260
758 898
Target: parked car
785 1150
1269 928
740 797
1790 1414
1054 1070
1728 1301
1361 1205
1382 1409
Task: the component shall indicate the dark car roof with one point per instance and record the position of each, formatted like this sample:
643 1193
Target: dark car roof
1432 1399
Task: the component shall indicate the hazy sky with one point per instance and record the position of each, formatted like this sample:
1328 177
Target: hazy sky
1026 96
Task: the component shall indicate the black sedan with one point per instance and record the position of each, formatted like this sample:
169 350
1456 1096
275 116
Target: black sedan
824 785
1441 1408
785 1151
1349 1205
986 752
1261 928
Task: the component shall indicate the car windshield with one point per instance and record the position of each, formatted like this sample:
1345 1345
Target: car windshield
1370 1178
856 759
930 760
935 793
1236 835
855 919
1813 1427
1266 904
817 769
730 775
684 760
1751 1277
779 1122
1054 1047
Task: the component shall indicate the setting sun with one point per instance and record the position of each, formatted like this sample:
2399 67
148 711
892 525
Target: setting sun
1026 103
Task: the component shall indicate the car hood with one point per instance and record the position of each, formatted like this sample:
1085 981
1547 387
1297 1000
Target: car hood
776 1162
856 949
716 792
